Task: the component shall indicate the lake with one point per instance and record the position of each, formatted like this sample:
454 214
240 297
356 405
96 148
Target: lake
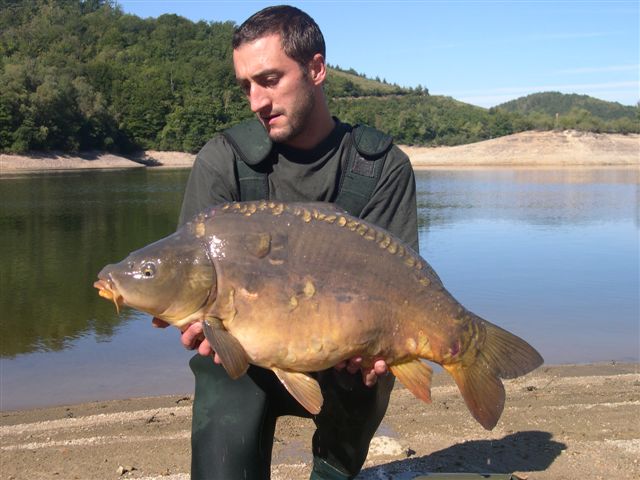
551 255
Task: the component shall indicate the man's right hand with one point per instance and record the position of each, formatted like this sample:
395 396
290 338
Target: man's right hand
192 338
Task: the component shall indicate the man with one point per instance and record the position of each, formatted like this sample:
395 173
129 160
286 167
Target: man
279 61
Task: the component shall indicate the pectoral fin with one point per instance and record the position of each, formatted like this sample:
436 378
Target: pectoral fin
416 376
303 388
234 359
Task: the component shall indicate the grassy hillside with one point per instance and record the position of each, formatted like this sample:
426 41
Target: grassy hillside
343 83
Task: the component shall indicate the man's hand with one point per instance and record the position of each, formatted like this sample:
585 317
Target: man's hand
369 375
192 338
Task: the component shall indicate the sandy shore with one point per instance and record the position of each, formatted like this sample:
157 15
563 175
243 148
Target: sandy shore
538 149
560 422
44 162
535 149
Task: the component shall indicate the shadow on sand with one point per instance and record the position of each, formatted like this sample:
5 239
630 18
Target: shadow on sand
520 452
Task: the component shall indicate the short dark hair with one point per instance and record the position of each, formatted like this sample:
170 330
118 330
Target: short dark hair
300 35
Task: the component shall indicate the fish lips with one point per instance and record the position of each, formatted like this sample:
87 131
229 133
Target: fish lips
107 289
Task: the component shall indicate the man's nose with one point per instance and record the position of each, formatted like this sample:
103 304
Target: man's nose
258 98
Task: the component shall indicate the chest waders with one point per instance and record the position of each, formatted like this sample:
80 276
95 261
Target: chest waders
366 150
234 420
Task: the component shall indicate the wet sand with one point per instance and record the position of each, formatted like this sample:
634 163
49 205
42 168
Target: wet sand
560 422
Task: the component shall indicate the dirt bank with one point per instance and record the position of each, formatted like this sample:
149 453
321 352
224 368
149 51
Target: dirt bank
561 422
42 162
567 148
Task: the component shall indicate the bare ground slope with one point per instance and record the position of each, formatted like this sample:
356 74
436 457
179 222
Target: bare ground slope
568 148
561 422
52 161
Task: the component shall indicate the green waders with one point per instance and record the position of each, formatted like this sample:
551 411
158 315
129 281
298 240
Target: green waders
234 422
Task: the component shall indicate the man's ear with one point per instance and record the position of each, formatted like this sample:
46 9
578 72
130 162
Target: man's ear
317 69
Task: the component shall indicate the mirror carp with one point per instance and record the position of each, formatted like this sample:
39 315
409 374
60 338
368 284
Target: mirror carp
299 287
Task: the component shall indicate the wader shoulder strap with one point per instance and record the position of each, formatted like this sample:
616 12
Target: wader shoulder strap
368 150
252 145
254 184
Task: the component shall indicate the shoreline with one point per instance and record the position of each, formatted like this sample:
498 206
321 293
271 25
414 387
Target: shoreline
526 149
560 422
44 410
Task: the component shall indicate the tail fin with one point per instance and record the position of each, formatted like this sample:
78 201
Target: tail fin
501 355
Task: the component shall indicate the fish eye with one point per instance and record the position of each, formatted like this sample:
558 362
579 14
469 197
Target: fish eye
148 270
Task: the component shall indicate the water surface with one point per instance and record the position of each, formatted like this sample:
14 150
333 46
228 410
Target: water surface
550 255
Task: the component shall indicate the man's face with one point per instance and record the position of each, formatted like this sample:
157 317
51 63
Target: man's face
278 90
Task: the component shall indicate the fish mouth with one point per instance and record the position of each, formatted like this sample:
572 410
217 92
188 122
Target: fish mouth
106 289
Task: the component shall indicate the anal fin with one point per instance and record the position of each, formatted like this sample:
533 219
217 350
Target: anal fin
416 376
233 356
303 388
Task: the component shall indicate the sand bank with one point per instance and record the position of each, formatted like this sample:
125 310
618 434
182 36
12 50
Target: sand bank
46 162
535 149
530 149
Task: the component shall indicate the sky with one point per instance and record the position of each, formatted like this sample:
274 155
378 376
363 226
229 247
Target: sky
479 52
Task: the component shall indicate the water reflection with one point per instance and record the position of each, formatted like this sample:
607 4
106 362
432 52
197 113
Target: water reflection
532 196
551 255
57 232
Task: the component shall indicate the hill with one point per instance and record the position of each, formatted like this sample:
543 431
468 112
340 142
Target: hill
342 83
554 110
84 76
552 103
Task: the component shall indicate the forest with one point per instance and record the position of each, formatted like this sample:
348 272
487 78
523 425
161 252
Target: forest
81 75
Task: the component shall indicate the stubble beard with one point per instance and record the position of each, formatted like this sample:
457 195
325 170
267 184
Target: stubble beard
298 119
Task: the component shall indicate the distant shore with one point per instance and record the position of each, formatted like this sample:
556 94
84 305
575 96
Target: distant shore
526 149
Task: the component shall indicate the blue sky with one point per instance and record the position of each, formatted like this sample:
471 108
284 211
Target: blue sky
479 52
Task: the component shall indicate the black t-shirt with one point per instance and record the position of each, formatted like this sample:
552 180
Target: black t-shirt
308 175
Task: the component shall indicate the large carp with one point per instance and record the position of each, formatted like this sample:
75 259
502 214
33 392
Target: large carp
298 288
